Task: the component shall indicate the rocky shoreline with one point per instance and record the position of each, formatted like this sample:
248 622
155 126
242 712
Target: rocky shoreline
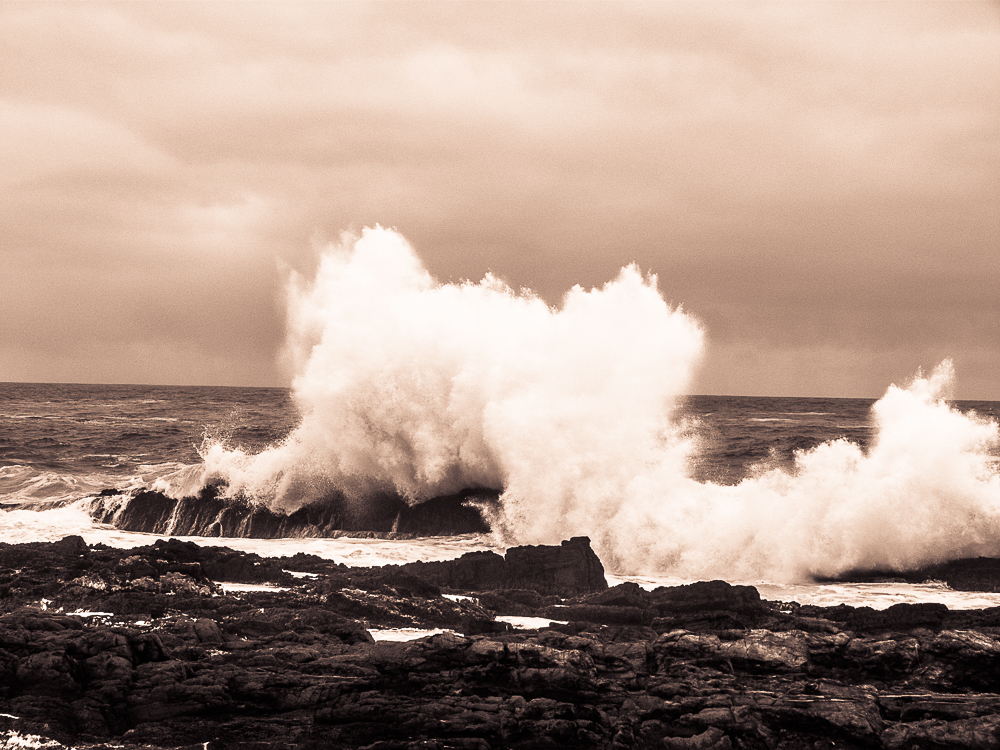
212 513
152 648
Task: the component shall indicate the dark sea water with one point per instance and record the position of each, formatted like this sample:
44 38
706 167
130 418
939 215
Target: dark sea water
64 440
62 444
740 432
69 440
60 440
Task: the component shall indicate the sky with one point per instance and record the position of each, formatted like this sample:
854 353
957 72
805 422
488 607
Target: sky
817 182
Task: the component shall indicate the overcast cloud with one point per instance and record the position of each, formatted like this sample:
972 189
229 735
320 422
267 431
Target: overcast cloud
818 183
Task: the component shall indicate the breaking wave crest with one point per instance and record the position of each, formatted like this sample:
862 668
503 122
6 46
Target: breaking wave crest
419 388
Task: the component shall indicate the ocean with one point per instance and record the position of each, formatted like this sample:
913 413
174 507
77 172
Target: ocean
63 444
416 398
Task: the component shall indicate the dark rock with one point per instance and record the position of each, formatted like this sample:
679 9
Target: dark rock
897 617
482 626
623 595
393 578
712 738
977 733
968 574
212 513
497 602
976 574
707 596
600 615
297 669
271 622
207 631
70 546
571 568
529 598
135 567
473 571
213 563
451 514
903 617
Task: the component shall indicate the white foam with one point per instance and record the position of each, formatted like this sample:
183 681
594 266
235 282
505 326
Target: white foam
427 388
874 595
52 525
299 574
17 740
46 524
244 587
405 634
90 613
406 384
528 623
410 385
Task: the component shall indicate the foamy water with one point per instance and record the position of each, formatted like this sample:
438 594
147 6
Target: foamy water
874 595
52 525
410 385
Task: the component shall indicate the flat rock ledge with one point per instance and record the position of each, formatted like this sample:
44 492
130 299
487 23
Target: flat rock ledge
144 648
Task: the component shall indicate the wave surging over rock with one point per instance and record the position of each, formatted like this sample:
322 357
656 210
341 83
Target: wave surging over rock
211 513
415 389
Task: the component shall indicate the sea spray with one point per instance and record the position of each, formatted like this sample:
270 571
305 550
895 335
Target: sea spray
926 491
410 386
421 388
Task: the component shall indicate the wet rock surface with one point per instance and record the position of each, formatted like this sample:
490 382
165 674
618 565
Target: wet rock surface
967 574
569 569
211 513
145 648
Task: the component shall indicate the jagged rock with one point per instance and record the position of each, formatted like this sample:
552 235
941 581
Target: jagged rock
601 615
968 574
71 546
452 514
212 563
473 571
213 514
706 596
623 595
519 602
977 733
711 739
896 617
773 652
297 668
571 568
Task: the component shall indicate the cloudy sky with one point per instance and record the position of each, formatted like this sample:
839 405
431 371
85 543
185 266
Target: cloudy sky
819 183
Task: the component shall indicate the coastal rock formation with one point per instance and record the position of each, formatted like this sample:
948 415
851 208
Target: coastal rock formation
968 574
569 569
144 648
706 604
211 514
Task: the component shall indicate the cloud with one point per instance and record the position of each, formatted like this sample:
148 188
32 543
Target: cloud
794 173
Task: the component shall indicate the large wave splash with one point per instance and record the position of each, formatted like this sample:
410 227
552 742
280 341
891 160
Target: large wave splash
926 491
415 387
422 388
